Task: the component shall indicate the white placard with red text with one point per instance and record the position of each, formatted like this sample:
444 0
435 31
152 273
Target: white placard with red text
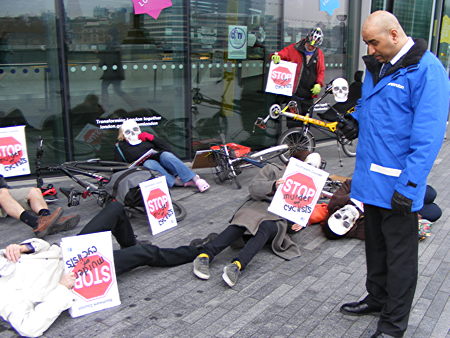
296 197
281 78
158 204
91 135
13 152
91 258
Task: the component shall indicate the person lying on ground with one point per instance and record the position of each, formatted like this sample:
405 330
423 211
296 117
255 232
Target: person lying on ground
28 205
252 217
133 144
34 289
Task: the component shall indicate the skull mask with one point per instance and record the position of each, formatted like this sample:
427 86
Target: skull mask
340 89
343 219
131 130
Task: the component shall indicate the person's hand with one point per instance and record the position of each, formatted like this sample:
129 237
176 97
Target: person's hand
14 251
349 127
401 203
144 136
276 58
296 227
316 89
279 182
68 280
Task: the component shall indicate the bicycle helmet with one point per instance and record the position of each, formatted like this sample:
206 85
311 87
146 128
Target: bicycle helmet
315 37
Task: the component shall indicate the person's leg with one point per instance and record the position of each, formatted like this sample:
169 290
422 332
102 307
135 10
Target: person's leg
113 218
147 254
266 232
400 233
175 166
375 257
431 212
156 166
10 206
37 202
430 195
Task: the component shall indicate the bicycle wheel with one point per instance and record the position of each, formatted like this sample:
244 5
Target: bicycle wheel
349 147
295 139
99 165
180 211
269 153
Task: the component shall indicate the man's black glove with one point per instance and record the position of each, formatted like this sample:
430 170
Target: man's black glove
348 127
400 203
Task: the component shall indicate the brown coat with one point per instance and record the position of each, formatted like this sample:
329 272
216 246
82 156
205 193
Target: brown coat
254 211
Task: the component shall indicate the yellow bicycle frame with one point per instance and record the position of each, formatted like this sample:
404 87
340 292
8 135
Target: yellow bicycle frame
331 126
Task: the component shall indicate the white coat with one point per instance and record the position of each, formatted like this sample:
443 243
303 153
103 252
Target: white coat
31 297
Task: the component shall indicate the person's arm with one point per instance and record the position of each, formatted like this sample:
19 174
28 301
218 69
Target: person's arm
430 101
32 321
34 245
160 144
264 185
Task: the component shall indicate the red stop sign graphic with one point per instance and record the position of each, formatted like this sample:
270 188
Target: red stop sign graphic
10 150
298 190
281 76
158 203
94 276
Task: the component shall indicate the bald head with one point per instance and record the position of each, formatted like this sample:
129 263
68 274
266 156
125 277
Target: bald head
383 35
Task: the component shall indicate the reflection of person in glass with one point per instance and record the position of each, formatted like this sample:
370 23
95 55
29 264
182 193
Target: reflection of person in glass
113 74
310 72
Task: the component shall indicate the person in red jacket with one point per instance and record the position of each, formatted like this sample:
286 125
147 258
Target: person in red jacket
310 72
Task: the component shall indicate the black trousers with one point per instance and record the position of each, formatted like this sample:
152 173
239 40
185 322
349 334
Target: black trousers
266 232
132 255
392 260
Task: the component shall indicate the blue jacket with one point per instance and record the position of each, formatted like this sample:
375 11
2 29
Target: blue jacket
402 120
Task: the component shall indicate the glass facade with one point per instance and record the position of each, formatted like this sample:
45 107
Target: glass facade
72 70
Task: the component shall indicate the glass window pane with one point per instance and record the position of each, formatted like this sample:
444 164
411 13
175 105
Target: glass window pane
29 77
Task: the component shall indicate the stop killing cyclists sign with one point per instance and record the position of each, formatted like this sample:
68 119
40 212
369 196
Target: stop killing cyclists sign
13 152
158 204
281 78
296 197
90 257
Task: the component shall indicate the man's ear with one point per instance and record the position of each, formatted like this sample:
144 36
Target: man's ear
394 35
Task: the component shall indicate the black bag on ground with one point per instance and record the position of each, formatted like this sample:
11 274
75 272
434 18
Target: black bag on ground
124 185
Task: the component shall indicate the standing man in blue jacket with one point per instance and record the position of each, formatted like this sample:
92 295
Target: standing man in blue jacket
402 117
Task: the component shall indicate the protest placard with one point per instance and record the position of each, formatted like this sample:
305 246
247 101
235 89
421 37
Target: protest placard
296 197
13 152
91 258
281 78
158 205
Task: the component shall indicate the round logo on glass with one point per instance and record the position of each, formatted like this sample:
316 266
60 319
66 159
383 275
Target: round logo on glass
237 38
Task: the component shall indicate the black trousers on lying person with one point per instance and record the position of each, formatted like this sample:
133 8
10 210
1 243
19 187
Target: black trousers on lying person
131 255
266 232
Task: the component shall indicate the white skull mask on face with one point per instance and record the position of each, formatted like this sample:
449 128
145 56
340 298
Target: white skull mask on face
131 131
340 89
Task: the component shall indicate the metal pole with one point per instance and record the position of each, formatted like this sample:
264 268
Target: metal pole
188 80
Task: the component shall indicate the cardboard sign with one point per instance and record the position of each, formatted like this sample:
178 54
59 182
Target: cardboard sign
296 197
13 152
281 78
91 258
92 135
158 205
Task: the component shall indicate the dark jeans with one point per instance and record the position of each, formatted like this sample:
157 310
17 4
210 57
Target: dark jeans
266 232
392 259
132 255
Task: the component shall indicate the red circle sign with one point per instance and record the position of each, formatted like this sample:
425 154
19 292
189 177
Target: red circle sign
158 203
10 150
281 76
298 190
94 276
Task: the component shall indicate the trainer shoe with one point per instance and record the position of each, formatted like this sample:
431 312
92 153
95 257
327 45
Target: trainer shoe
201 266
45 222
64 223
230 274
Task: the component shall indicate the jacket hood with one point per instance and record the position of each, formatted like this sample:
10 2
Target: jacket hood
412 57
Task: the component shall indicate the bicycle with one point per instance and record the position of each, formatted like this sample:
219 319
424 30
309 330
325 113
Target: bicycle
301 138
228 165
92 169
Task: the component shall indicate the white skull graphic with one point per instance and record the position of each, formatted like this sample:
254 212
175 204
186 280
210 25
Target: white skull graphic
343 219
340 89
131 130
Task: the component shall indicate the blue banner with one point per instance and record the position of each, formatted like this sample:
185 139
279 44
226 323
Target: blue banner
329 6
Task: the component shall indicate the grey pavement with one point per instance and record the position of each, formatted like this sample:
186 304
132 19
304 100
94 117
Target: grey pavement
273 297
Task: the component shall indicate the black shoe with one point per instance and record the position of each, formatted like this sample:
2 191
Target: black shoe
379 334
202 241
359 308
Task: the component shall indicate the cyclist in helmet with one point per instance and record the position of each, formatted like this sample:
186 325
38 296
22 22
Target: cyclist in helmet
310 73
